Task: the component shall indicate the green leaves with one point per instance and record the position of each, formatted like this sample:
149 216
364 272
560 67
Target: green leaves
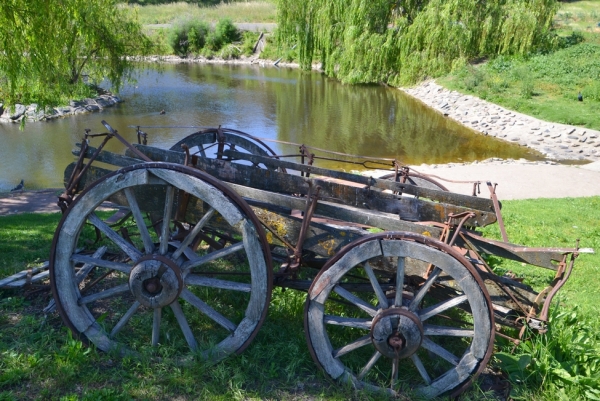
49 46
394 42
566 360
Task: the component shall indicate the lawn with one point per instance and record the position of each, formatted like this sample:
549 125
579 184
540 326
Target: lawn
247 11
39 359
546 85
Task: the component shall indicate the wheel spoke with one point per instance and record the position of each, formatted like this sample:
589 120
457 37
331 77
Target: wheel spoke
347 295
399 282
124 319
424 288
354 345
376 287
156 326
369 365
419 365
395 368
164 232
348 321
432 330
183 324
87 267
221 253
208 310
426 313
440 351
139 220
129 249
104 294
122 267
193 279
190 237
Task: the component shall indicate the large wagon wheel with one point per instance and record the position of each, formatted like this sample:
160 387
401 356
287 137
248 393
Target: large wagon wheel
136 288
205 143
402 312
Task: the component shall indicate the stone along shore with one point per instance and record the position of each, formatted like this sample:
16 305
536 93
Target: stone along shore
555 141
34 113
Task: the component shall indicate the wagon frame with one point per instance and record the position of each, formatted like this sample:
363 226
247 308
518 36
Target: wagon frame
399 294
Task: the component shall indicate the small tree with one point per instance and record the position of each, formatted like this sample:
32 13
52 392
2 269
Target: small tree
49 46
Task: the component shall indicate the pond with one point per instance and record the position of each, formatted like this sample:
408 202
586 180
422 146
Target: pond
282 104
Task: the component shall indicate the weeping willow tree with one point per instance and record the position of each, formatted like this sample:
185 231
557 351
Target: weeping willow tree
49 47
397 42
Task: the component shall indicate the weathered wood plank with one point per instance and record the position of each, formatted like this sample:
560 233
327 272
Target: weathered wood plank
385 221
437 195
107 157
408 208
17 276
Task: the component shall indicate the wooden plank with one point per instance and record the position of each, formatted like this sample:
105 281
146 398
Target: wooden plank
437 195
542 257
7 280
385 221
408 208
107 157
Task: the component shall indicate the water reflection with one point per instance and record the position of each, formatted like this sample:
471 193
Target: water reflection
280 104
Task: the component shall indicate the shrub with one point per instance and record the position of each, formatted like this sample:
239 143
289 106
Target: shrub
227 31
248 41
229 52
188 37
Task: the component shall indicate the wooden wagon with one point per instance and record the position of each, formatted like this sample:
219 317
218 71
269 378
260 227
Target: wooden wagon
177 251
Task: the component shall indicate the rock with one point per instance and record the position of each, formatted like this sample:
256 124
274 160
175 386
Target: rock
14 113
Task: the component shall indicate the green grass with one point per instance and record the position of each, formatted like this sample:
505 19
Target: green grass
546 85
40 360
579 16
247 11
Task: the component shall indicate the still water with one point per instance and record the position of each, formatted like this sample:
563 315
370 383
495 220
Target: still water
274 103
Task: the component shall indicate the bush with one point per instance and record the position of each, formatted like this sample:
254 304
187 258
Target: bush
226 30
230 52
188 37
248 41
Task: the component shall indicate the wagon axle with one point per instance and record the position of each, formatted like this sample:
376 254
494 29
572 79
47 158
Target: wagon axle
397 333
155 281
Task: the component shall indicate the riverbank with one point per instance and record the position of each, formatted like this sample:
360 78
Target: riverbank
32 112
555 141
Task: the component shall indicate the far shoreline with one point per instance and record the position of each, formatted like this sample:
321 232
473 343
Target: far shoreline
557 142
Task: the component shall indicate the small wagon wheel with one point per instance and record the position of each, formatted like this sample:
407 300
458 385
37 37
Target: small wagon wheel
419 180
402 312
205 143
136 289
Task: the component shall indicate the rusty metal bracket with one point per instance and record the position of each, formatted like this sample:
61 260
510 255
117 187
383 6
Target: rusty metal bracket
142 137
65 199
221 142
129 146
311 204
464 216
492 189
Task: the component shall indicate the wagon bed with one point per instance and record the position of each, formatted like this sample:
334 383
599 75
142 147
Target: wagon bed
399 294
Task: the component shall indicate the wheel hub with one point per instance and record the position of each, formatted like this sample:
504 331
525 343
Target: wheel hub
155 281
397 333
